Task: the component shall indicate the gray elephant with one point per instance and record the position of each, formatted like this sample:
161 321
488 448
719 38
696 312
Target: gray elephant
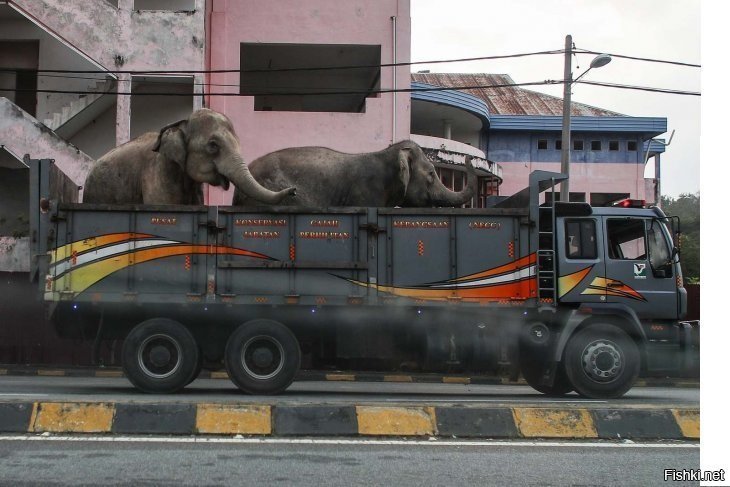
168 167
400 175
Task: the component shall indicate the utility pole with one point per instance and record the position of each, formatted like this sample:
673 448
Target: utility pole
565 149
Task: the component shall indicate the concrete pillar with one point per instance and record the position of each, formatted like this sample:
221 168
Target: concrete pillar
447 129
124 109
198 91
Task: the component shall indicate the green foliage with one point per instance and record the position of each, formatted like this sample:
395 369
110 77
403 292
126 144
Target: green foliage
687 208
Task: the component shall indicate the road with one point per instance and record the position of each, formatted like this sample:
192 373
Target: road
170 461
309 392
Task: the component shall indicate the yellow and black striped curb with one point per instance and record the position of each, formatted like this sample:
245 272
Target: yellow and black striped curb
350 420
334 377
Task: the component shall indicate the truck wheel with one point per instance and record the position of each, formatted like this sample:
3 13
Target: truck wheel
533 374
262 357
198 368
159 356
602 361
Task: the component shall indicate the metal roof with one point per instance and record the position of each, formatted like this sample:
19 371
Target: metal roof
511 100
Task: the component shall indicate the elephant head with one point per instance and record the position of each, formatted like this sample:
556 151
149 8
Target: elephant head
423 187
207 148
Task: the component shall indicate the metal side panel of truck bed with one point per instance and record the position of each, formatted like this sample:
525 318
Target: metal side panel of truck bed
150 254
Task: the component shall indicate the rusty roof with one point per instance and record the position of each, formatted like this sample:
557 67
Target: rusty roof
511 100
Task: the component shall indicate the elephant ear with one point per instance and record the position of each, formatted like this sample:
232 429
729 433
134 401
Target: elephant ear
171 142
404 170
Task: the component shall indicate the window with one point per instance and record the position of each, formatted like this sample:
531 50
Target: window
558 145
577 145
273 75
626 239
595 145
542 144
631 145
453 180
613 145
580 239
19 80
169 5
660 257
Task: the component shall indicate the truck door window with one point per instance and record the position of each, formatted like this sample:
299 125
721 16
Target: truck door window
660 255
626 239
580 239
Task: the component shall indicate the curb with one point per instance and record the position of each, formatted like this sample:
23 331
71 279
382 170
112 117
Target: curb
350 420
331 376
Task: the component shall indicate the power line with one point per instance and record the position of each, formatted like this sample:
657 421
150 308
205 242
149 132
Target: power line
302 93
278 70
635 58
366 92
641 88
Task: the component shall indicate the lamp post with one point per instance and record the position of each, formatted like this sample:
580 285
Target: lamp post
597 62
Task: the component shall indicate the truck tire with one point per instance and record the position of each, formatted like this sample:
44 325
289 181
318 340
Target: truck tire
533 373
262 357
602 361
160 356
198 368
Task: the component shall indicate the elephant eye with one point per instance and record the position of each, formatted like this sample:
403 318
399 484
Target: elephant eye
212 147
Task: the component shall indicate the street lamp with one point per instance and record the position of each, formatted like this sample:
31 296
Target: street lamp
597 62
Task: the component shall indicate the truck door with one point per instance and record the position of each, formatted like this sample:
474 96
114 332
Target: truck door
580 265
637 269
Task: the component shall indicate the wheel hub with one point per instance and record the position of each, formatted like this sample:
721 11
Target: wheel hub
262 357
602 360
159 356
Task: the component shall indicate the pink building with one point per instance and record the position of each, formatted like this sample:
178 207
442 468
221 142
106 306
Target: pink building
271 42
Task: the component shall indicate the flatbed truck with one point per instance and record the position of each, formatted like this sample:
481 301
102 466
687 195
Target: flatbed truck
572 297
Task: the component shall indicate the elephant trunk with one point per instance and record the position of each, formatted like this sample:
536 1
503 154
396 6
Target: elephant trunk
243 180
443 196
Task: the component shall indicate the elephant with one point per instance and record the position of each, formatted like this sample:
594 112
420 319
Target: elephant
168 167
400 175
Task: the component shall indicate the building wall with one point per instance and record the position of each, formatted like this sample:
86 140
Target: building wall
52 54
602 171
98 137
312 22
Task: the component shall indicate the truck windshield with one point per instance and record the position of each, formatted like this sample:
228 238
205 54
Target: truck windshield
660 255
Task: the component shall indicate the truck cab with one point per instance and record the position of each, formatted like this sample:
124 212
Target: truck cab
623 257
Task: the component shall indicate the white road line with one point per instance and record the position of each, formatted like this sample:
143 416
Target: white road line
501 401
323 441
28 394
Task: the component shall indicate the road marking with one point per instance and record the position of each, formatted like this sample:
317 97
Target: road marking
534 402
323 441
22 394
501 401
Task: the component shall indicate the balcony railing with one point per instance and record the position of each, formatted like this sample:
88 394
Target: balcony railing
453 152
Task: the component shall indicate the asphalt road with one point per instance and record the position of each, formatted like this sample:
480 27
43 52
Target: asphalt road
309 392
169 461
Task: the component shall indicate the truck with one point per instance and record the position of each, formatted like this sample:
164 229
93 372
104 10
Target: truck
571 297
